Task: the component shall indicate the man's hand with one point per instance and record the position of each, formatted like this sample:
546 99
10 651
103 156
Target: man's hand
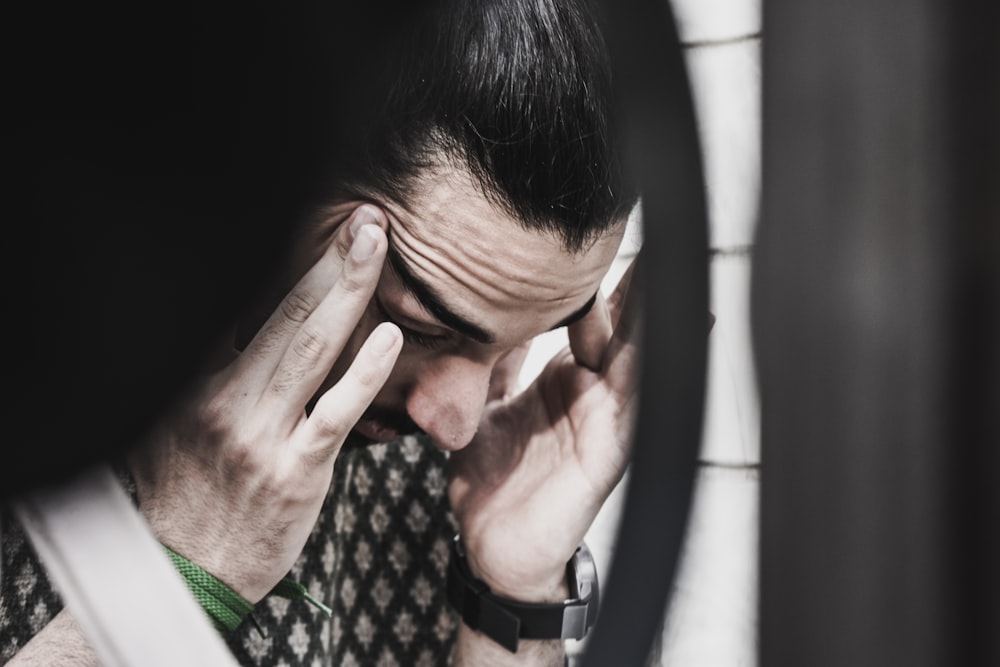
528 487
235 476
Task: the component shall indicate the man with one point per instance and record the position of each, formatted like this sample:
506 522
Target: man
482 208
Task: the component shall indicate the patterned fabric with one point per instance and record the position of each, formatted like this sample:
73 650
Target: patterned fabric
377 556
27 601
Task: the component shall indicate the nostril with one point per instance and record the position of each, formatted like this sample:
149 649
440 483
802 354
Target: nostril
448 399
449 427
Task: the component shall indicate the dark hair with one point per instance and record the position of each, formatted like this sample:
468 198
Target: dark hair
517 91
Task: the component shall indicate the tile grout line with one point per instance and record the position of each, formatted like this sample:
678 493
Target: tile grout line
732 251
721 41
702 463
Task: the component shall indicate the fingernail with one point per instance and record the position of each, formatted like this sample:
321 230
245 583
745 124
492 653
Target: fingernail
383 338
365 215
364 243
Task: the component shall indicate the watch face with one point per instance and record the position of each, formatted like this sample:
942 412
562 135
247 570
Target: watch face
583 584
582 573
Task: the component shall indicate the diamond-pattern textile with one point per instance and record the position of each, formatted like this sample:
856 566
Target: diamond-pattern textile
377 556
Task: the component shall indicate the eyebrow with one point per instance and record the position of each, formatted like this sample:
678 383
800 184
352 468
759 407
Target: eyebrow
433 304
436 306
578 315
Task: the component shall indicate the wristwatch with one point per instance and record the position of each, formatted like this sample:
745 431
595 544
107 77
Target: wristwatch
506 621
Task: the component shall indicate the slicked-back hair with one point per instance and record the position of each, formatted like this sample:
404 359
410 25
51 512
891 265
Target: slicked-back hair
518 92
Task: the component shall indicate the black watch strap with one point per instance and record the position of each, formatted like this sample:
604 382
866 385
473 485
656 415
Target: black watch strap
506 621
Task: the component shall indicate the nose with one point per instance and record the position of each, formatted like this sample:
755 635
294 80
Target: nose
447 398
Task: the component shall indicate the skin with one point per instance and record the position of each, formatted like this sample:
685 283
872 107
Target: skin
239 451
250 450
511 282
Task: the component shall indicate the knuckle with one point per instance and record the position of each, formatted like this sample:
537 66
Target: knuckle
297 307
212 418
368 378
232 443
284 381
306 350
243 461
352 283
330 426
269 339
343 247
370 371
321 456
283 478
309 344
250 455
342 244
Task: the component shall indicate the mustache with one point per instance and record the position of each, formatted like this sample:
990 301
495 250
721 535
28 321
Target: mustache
397 420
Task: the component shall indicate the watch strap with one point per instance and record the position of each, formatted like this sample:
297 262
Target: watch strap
506 621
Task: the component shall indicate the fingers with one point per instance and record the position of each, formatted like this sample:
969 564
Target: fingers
321 338
503 380
339 409
617 298
259 361
622 358
588 338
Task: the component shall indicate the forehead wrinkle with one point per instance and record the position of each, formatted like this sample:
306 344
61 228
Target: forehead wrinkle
478 258
473 264
433 303
494 283
447 218
419 289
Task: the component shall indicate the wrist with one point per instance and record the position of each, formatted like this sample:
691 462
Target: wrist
518 576
507 615
536 589
473 649
231 571
226 608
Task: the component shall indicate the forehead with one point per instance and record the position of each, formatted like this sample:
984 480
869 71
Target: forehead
487 265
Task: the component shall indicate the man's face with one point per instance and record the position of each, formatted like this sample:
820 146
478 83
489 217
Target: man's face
466 284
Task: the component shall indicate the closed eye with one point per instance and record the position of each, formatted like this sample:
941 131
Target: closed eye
421 338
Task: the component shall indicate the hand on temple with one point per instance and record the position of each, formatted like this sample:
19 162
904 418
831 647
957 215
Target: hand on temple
235 476
528 487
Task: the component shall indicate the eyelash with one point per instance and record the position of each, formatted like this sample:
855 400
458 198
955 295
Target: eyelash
425 340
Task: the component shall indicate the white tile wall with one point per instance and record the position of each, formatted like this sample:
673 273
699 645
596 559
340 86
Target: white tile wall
731 429
712 618
725 81
716 20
